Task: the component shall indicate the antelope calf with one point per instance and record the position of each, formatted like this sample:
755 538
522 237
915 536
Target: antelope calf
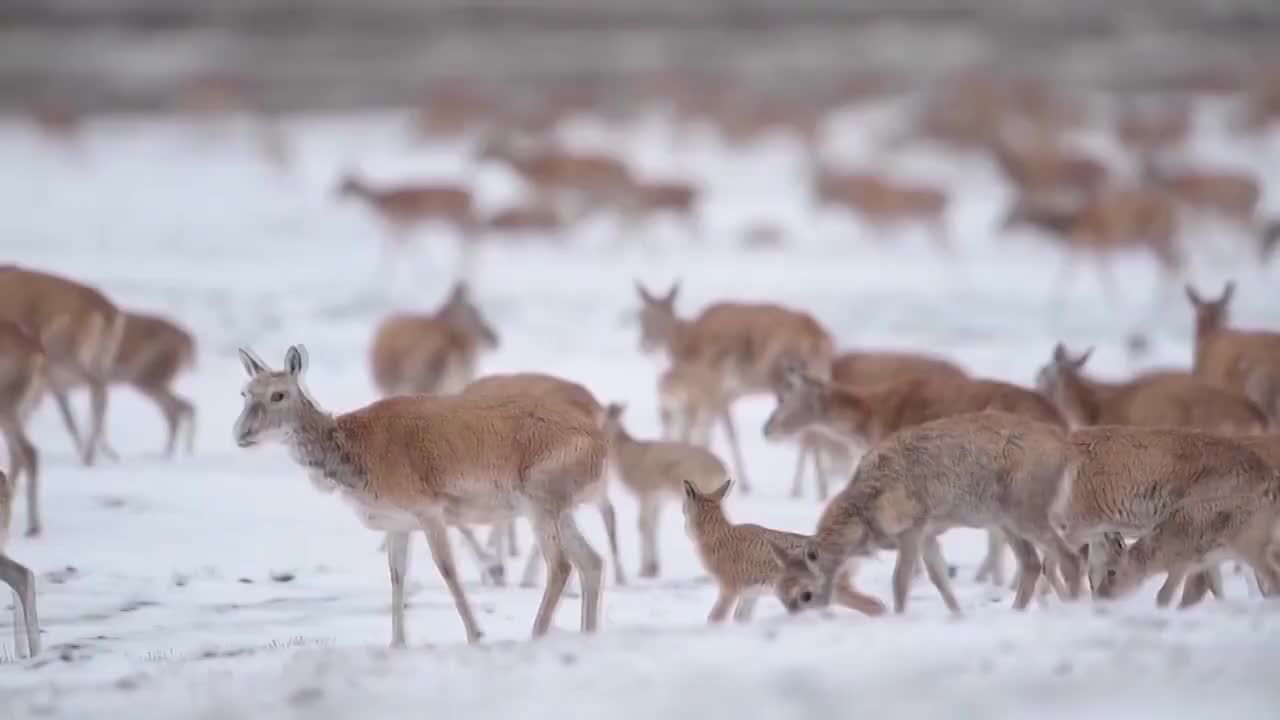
26 625
153 350
749 560
1164 399
406 463
80 330
740 345
22 380
881 202
653 471
1245 361
415 354
981 470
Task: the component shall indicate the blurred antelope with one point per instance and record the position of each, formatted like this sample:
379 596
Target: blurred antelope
1147 130
1042 167
883 202
1231 194
536 218
153 351
1244 361
26 623
748 560
647 198
408 463
740 345
1108 222
22 381
80 330
598 179
414 354
402 208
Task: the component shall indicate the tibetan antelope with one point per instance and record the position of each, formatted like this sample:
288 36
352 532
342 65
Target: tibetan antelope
1043 167
153 351
80 330
1230 194
881 202
1245 361
748 560
740 344
1147 130
597 179
649 198
22 380
421 462
653 471
26 624
436 353
535 218
981 470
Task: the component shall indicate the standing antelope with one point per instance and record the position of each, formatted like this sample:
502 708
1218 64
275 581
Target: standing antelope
152 352
406 463
432 354
1043 167
22 380
648 198
740 345
1245 361
882 202
747 560
26 624
598 179
1231 194
80 330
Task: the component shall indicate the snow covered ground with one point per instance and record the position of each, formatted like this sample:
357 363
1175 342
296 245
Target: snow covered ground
221 585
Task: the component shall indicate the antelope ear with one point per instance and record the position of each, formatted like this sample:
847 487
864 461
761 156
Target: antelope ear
670 299
1193 296
644 293
1084 358
1228 291
459 292
1060 356
721 491
295 360
690 491
253 365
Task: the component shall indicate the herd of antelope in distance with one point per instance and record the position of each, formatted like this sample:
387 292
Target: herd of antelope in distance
1171 472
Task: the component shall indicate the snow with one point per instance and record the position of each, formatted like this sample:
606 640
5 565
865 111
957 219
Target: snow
156 587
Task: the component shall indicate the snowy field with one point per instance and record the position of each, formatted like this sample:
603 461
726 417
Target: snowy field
221 586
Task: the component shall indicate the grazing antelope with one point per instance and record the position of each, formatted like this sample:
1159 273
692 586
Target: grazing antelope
598 179
981 470
26 624
863 416
1245 361
741 345
22 380
1109 221
882 202
80 330
748 560
647 198
414 354
153 350
406 463
544 387
653 471
1232 194
1168 399
402 208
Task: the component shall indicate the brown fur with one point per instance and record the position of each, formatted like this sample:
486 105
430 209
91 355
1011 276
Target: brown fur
153 351
988 469
1043 166
26 624
1165 399
1232 194
1149 130
599 177
872 368
881 201
1244 361
1115 219
647 198
22 381
533 218
430 354
406 463
80 330
747 559
404 206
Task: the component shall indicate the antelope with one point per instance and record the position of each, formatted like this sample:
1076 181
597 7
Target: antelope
403 208
1107 222
1166 399
739 344
646 198
436 353
535 218
882 202
864 416
1042 167
599 178
748 560
653 470
1228 193
971 470
1244 361
22 380
1147 130
80 330
541 386
26 624
406 463
153 350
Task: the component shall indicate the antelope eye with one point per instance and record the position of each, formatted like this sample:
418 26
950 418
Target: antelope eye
806 597
811 555
1111 573
277 396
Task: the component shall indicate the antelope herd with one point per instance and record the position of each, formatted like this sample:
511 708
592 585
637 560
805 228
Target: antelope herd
1087 481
